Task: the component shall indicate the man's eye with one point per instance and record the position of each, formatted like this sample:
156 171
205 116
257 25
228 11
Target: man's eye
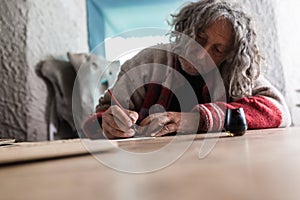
219 51
201 40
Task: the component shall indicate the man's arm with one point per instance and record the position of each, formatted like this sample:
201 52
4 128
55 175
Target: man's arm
266 108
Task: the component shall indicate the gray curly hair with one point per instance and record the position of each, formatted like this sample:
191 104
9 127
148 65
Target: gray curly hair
242 66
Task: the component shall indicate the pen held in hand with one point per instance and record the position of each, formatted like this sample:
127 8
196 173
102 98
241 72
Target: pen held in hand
134 126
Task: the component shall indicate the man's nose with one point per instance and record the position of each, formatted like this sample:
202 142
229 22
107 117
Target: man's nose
203 52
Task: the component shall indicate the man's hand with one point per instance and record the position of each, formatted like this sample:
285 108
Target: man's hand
160 124
116 122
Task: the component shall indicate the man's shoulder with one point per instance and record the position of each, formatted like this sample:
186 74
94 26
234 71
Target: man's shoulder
262 81
158 49
160 53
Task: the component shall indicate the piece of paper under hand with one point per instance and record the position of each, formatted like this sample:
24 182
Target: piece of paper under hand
6 141
35 151
134 139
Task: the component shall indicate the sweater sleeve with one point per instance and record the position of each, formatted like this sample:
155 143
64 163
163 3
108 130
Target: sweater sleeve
265 108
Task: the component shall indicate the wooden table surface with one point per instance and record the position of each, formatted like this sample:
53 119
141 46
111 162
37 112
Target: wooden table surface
262 164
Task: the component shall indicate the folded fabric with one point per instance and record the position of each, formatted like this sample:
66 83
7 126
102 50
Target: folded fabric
94 75
77 86
60 76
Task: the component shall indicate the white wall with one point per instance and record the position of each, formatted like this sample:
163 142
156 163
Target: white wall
122 49
31 31
288 18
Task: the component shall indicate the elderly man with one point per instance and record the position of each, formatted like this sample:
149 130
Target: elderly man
212 64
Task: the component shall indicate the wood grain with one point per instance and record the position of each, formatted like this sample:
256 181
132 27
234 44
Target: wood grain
34 151
262 164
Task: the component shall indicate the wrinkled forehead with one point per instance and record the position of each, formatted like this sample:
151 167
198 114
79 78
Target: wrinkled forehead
223 23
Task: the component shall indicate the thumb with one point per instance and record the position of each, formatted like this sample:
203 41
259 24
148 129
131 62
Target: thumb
133 116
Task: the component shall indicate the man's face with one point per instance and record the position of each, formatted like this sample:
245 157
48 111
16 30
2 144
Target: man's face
216 42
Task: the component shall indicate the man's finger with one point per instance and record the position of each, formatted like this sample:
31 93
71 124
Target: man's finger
117 124
133 115
169 128
122 116
156 124
151 117
108 129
